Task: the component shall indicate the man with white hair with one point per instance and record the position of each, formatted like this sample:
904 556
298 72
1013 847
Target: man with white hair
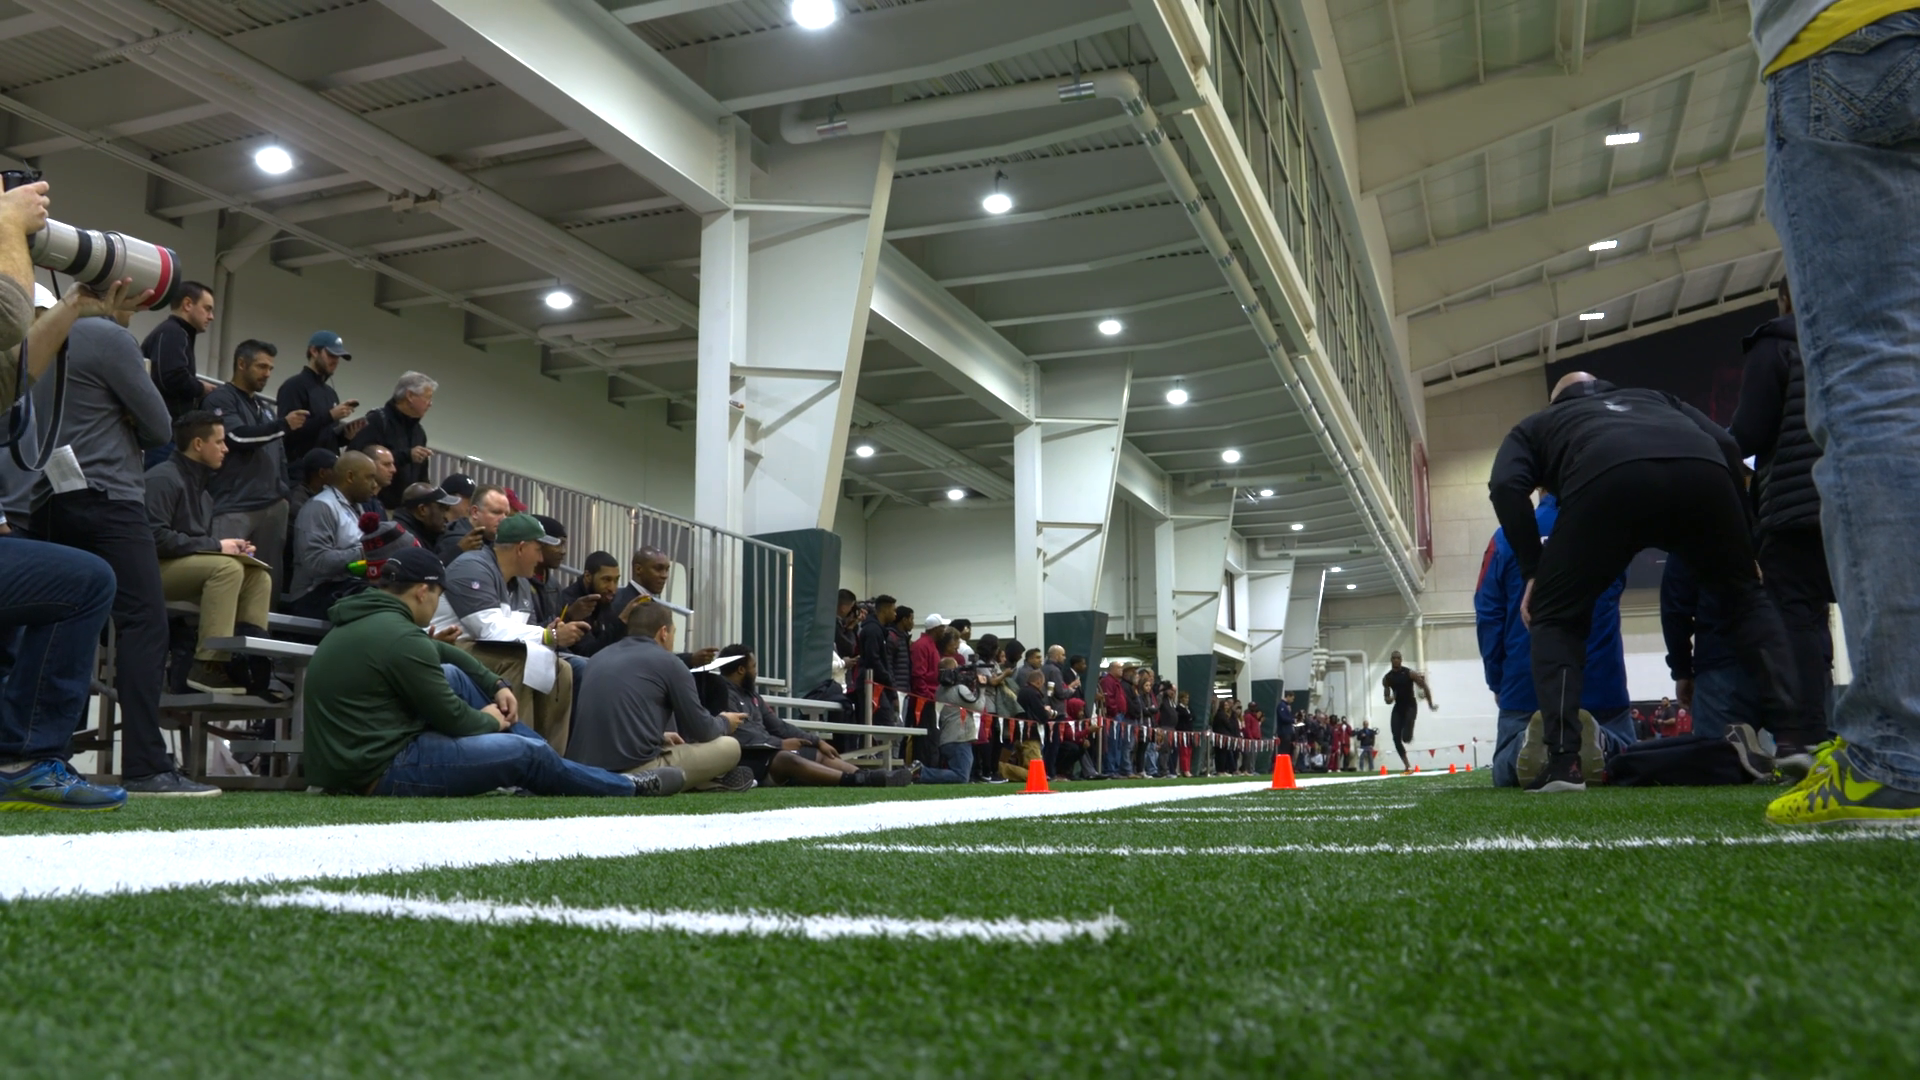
396 426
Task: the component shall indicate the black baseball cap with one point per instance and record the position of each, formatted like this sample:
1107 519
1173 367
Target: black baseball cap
316 459
408 566
428 495
459 485
554 529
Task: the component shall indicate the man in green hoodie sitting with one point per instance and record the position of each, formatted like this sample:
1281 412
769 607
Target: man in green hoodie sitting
392 711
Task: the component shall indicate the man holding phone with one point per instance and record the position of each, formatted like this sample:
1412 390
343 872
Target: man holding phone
311 391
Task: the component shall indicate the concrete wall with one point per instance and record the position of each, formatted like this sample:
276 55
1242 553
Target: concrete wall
956 561
492 403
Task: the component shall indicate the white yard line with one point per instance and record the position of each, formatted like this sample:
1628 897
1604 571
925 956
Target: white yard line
741 923
1266 819
1475 845
67 864
1252 808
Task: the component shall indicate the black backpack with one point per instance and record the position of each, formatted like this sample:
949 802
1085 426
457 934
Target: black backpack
1686 761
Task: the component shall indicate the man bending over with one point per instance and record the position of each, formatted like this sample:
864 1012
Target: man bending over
391 711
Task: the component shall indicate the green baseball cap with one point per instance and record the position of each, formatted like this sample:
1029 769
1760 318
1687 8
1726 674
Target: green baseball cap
520 528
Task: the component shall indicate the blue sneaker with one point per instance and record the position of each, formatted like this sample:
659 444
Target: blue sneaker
50 785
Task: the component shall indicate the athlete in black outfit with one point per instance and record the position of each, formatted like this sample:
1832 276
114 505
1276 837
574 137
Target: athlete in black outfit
1633 469
1399 683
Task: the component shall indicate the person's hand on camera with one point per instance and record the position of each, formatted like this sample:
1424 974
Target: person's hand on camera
118 302
23 210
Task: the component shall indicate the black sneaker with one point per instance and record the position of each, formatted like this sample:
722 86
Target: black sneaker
1561 774
172 783
738 778
898 778
665 781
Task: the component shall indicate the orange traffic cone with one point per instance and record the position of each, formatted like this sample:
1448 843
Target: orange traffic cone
1383 770
1037 778
1416 768
1469 768
1451 769
1283 773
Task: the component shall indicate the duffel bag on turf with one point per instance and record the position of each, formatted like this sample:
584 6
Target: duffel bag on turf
1691 761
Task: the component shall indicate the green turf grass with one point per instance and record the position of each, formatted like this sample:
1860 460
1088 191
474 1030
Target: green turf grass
1725 961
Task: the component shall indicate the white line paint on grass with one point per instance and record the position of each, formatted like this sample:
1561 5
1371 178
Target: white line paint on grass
1255 808
65 864
741 923
1472 846
1263 819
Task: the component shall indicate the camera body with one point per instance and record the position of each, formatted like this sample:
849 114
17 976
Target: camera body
98 259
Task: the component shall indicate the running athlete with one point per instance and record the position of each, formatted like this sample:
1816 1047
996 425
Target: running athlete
1399 683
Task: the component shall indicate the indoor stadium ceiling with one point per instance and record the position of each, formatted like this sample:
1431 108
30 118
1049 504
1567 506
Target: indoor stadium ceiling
1480 135
1483 127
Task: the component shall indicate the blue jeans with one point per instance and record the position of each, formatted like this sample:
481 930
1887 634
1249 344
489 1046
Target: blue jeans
1151 766
1616 734
441 765
1843 189
1119 755
53 603
958 758
1723 697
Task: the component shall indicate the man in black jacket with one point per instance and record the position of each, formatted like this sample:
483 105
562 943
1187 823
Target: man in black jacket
250 490
423 510
169 351
232 588
876 661
310 390
1771 426
396 426
1633 469
590 600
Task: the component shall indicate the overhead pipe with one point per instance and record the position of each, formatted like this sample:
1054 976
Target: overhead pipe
1123 88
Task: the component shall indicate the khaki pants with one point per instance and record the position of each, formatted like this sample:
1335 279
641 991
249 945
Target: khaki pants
551 715
227 589
702 762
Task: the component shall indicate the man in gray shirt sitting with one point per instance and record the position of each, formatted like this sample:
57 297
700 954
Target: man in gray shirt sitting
641 711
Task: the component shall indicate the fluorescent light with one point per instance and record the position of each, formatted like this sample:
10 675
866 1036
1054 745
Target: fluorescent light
1177 396
1623 138
814 14
863 450
956 494
272 159
1351 587
1592 316
559 300
1334 569
1110 327
1230 456
997 203
1266 493
1296 526
1603 245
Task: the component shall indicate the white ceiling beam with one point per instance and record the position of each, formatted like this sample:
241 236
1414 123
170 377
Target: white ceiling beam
994 151
921 319
1150 346
888 46
1055 269
1458 267
993 221
889 430
1399 51
584 68
1397 144
22 25
1122 309
374 200
649 10
1143 482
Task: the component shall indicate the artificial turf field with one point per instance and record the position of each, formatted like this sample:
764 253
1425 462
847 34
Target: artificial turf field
1400 927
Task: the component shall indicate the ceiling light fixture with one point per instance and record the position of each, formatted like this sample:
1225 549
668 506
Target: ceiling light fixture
1230 456
1334 569
1266 493
1351 586
1297 527
559 300
814 14
1110 327
997 201
863 450
1177 395
1623 138
1592 316
1603 245
273 160
956 494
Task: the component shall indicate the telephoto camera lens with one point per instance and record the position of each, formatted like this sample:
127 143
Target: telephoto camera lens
98 259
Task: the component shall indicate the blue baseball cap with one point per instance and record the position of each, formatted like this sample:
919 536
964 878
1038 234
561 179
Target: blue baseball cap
330 341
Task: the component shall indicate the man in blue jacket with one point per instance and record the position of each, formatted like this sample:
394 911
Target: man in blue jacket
1506 649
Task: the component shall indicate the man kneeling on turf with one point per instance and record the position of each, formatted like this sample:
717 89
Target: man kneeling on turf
780 753
392 711
641 711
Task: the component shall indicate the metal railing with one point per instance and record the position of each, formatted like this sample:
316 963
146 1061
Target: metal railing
739 589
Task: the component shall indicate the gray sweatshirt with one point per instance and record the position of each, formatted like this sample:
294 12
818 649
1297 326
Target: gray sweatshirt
113 411
326 537
637 693
1777 22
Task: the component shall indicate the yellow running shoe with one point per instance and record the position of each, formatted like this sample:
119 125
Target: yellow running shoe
1833 794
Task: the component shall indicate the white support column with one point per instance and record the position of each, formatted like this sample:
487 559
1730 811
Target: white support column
1029 576
719 444
809 288
1270 587
1302 628
1196 534
1083 408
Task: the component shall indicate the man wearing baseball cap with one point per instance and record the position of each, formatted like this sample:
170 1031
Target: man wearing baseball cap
392 711
490 598
311 389
423 512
